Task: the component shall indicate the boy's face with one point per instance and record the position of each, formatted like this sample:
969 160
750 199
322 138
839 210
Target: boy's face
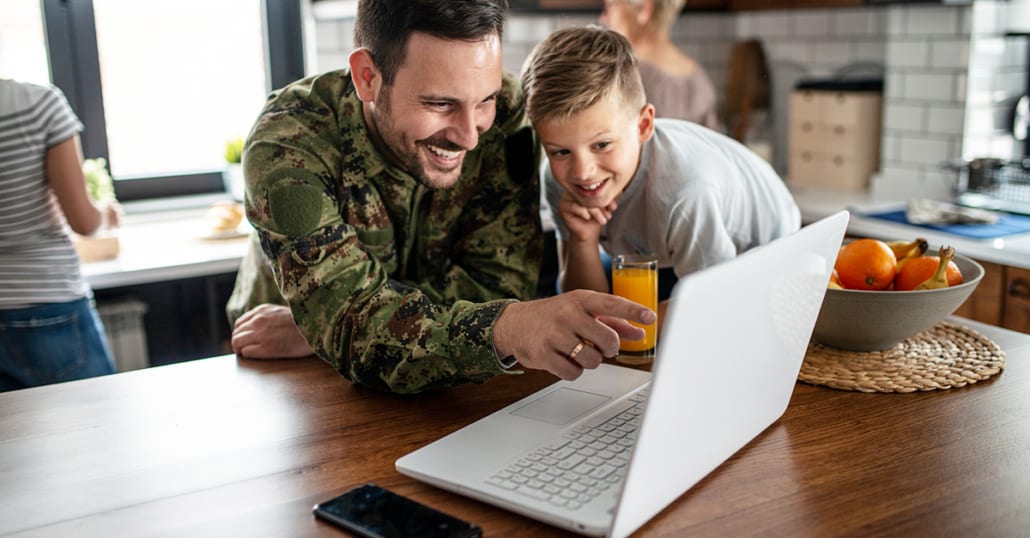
595 153
443 98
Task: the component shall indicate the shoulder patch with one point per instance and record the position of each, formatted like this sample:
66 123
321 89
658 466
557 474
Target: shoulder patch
296 209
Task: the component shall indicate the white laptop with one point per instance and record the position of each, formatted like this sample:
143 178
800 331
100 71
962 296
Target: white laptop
603 454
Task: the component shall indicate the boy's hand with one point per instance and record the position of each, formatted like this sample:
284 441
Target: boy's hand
584 223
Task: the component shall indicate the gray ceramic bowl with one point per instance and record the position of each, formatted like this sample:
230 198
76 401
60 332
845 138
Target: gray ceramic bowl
857 320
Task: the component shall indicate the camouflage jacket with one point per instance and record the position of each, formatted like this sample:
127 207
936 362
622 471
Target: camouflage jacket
396 285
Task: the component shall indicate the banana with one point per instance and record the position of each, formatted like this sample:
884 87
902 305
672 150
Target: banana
903 249
939 278
834 283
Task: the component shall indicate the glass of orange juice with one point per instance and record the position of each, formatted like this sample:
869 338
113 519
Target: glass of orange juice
635 277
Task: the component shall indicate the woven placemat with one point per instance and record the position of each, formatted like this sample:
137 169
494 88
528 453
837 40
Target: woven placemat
948 355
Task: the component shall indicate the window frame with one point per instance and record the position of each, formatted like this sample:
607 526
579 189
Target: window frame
71 40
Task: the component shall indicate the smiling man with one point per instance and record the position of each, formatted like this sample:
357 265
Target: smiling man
397 205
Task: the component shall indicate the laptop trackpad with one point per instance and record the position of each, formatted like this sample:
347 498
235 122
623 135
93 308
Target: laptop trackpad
561 406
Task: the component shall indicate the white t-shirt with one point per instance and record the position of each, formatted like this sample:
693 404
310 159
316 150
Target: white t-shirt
698 198
37 261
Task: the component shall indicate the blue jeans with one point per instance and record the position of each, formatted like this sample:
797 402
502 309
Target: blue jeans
52 343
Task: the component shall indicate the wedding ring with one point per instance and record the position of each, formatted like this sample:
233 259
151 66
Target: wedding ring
575 351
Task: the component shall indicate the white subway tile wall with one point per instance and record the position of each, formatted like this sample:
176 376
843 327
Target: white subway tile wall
334 41
949 54
926 62
997 72
945 119
906 118
908 52
948 71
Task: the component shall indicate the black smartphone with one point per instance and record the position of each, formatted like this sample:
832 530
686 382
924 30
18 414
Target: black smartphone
375 512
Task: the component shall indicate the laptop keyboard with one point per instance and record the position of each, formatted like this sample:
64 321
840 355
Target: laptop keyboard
581 464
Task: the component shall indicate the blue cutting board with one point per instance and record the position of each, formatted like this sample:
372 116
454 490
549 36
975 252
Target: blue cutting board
1008 224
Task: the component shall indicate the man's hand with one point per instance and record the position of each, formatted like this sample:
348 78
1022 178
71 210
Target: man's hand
545 333
268 332
584 223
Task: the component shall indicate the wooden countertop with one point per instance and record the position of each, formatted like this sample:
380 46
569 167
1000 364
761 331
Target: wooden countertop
227 447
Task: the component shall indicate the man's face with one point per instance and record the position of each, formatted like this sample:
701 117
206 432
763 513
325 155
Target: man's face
443 97
594 154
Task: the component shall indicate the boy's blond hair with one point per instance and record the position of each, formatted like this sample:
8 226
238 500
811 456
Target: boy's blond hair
575 68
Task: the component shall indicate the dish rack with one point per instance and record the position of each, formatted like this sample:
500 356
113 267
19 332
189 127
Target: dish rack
993 184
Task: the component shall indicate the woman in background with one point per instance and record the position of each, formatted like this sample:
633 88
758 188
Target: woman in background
675 83
49 328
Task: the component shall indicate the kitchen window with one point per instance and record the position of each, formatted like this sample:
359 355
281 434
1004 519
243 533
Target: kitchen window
159 85
22 45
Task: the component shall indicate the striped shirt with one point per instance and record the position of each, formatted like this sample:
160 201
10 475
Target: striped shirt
37 261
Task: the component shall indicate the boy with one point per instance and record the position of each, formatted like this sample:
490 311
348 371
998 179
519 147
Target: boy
616 177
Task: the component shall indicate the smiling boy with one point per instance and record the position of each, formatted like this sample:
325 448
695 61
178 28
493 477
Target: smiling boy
621 179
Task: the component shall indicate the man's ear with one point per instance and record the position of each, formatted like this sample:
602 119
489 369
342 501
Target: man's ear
645 123
367 79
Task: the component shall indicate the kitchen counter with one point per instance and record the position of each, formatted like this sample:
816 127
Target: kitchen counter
172 245
167 245
1013 250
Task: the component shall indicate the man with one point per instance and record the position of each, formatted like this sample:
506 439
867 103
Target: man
397 203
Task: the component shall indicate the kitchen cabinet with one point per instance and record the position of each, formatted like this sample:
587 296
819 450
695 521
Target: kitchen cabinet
744 5
834 138
1002 298
987 301
706 5
556 5
691 5
719 5
1017 300
185 318
598 5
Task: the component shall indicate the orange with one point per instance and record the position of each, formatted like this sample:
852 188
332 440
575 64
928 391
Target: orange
866 264
919 270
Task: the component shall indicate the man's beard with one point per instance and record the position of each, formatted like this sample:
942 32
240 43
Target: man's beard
404 154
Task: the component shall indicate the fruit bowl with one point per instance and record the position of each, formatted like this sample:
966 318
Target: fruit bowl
857 320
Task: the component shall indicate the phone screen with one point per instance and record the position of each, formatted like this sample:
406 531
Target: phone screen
379 513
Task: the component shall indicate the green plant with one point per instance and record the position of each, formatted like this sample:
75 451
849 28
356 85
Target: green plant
98 180
234 151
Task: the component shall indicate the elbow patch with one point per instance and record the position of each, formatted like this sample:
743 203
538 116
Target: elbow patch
296 209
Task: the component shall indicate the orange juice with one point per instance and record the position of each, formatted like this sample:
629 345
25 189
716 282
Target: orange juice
636 278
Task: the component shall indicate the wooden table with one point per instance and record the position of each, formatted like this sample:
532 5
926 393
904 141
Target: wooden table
227 447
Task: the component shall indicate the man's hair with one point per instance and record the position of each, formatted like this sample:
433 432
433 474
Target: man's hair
385 26
575 68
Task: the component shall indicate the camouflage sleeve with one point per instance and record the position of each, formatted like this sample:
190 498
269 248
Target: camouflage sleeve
375 331
255 283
